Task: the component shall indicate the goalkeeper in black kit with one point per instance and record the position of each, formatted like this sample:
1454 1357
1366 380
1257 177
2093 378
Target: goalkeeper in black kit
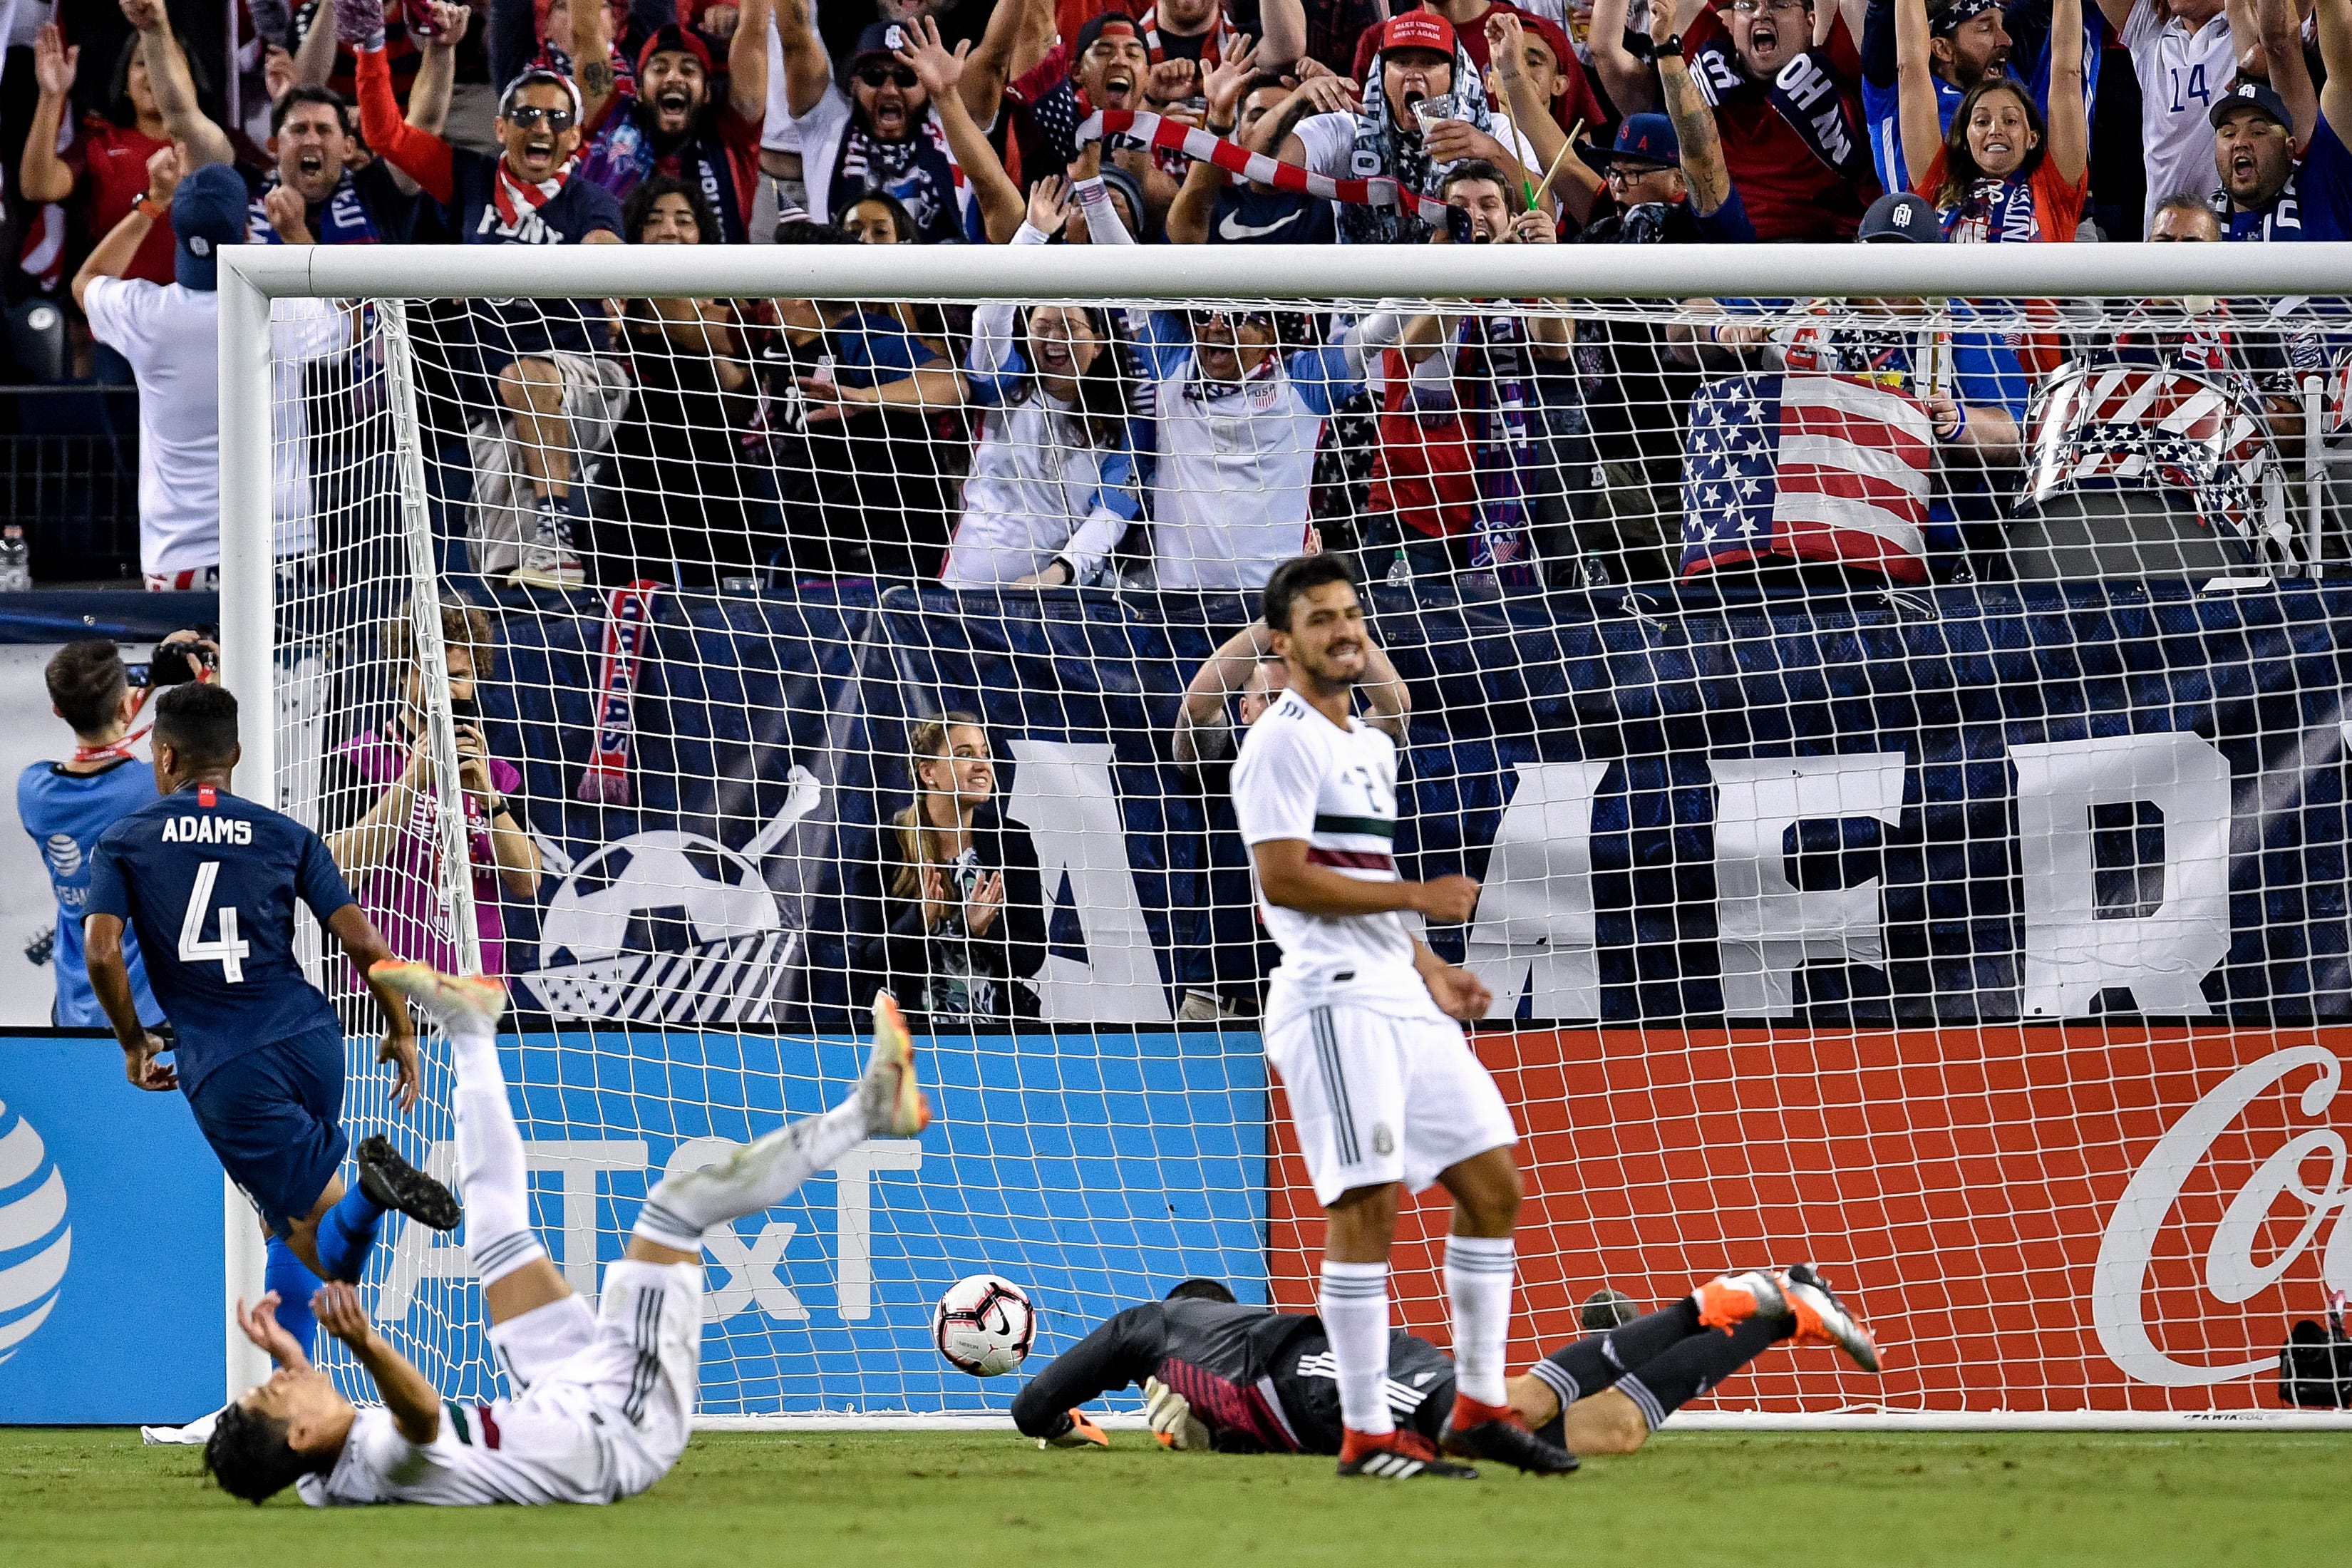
1248 1380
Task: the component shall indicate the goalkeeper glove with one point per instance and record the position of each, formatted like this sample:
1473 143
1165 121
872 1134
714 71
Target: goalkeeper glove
1172 1421
1081 1433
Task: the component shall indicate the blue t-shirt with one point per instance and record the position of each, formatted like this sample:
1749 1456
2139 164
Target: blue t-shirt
2315 203
208 880
508 328
67 813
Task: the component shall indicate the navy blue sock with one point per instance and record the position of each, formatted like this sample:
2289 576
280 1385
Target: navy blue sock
295 1284
1664 1383
1584 1367
346 1234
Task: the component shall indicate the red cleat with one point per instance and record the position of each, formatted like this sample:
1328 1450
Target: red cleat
1396 1456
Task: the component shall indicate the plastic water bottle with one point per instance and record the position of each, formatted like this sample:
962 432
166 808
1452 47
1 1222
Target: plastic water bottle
16 561
1400 571
1592 571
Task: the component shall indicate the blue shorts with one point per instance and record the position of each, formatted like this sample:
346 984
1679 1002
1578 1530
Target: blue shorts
273 1115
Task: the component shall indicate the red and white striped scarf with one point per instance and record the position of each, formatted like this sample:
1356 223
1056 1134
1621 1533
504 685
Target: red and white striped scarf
1170 135
513 197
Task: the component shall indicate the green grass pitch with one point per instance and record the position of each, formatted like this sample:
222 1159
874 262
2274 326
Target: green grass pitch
915 1500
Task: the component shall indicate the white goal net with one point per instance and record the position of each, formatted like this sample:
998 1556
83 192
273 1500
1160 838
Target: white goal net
1900 740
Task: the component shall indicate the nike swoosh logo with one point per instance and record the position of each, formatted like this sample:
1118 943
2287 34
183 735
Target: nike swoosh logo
1236 233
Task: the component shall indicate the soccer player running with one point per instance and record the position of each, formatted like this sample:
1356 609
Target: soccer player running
207 880
1246 1380
1361 1024
603 1402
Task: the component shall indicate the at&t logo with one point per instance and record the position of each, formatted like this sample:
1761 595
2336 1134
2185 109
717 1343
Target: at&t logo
34 1239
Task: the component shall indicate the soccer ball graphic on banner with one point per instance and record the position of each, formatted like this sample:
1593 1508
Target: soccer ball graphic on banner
665 925
984 1324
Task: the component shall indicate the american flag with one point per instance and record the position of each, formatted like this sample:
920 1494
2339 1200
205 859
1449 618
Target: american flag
1806 467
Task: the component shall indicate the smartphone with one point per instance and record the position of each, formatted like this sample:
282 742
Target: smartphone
1458 225
465 710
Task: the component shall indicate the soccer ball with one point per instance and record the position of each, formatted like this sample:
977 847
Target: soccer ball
983 1325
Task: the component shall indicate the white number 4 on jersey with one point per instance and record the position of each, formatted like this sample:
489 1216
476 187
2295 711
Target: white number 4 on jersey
227 948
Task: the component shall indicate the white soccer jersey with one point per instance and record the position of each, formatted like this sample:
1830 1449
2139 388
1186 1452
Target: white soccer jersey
605 1413
2181 74
1301 776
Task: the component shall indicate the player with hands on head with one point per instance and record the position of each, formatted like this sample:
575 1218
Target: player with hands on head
1360 1024
601 1401
208 881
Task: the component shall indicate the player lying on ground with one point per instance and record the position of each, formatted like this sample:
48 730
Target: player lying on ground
602 1401
1363 1025
1248 1380
208 881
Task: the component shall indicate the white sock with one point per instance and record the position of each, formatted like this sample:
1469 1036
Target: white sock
1478 1289
493 1182
1354 1307
754 1179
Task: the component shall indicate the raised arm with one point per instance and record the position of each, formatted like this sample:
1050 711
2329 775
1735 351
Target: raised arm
415 1404
436 72
1283 33
1000 206
112 256
2070 117
747 60
1506 46
1626 80
990 64
1187 222
174 90
1704 170
2335 18
2281 31
2118 13
592 59
41 174
419 154
314 62
1923 131
807 71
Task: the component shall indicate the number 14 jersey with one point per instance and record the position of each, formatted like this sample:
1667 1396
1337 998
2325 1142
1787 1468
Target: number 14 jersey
208 881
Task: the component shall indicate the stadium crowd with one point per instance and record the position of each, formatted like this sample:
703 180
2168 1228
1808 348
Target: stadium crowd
718 444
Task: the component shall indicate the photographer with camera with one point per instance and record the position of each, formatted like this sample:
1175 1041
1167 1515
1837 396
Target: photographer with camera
66 807
378 807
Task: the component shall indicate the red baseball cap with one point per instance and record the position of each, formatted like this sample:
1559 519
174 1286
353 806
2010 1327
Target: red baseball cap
1418 30
671 39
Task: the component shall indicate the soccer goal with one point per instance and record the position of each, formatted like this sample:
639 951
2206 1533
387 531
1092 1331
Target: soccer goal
1892 698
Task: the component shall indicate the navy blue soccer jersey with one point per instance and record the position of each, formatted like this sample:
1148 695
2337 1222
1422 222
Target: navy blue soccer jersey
208 881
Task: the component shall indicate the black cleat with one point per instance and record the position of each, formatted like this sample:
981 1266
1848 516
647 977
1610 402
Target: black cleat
395 1183
1502 1439
1398 1455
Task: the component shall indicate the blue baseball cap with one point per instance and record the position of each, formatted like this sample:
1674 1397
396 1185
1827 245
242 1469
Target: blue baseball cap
1900 217
208 211
2258 95
1642 139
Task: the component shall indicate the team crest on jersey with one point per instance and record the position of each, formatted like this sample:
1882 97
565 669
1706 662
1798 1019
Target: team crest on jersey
1383 1141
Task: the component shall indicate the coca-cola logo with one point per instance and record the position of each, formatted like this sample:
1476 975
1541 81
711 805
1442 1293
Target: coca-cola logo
2234 1273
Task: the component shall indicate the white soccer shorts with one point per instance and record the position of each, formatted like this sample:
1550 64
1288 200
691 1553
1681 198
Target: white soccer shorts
1378 1098
637 1364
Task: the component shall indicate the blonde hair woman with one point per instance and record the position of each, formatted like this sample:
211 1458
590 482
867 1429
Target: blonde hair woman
963 916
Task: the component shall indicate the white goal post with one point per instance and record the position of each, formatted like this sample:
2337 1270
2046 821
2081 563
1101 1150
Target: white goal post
2150 1335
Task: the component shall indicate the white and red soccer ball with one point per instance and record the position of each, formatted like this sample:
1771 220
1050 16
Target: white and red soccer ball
984 1324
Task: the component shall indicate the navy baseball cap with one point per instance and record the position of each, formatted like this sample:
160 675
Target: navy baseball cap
1900 218
1642 139
2258 95
881 38
208 211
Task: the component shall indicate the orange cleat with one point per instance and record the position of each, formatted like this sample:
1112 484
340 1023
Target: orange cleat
1728 1300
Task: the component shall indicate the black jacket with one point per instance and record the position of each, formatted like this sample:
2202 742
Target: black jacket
933 972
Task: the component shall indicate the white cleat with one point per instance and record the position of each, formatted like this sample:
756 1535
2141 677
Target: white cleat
895 1106
469 1004
1823 1319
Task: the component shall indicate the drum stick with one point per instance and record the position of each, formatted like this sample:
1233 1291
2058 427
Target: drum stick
1536 200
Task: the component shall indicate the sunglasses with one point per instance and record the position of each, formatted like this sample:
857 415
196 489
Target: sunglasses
1236 319
876 73
529 114
1622 176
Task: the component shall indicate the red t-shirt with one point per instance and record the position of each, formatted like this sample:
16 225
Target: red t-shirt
113 158
1577 104
1788 193
2045 205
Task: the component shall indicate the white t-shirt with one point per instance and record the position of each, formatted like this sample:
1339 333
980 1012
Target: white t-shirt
1301 776
537 1450
171 336
779 133
2181 74
1330 141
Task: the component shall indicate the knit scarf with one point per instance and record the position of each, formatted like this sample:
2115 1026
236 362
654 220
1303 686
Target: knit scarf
1165 135
343 220
1222 37
917 171
1381 148
1493 386
513 197
623 154
1806 93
